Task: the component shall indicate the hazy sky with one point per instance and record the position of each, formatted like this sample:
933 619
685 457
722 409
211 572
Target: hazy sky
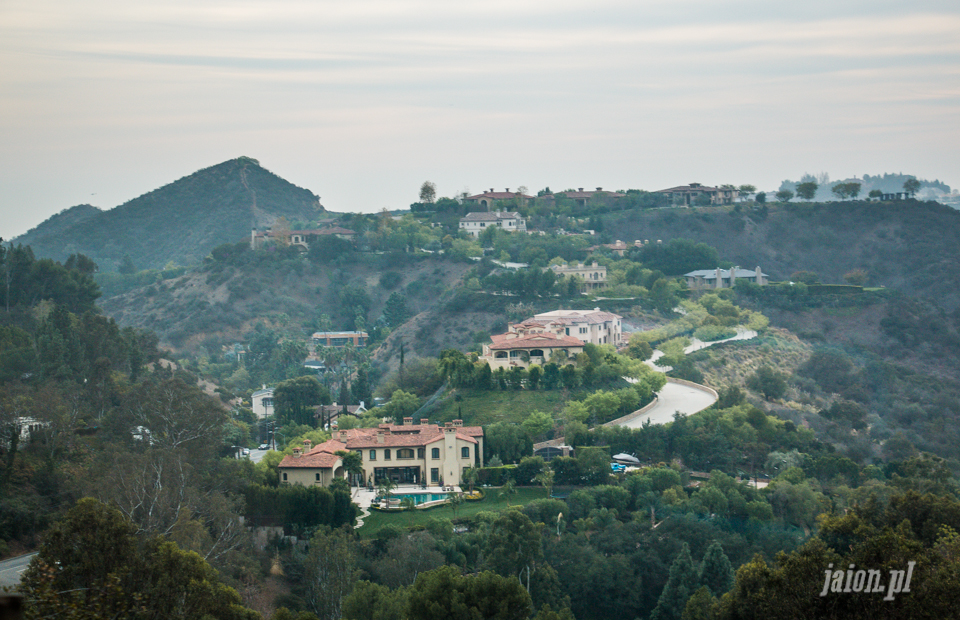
361 101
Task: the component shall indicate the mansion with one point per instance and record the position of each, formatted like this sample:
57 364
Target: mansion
422 453
555 336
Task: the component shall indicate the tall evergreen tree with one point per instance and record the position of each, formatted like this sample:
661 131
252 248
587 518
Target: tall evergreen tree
681 584
716 572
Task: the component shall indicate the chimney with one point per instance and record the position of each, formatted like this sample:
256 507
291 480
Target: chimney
579 189
449 429
296 452
307 444
599 189
380 435
408 421
424 421
343 436
506 189
458 423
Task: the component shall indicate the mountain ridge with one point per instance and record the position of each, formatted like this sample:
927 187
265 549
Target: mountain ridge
180 222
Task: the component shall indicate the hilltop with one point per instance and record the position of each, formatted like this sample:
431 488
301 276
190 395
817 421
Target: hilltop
907 245
180 222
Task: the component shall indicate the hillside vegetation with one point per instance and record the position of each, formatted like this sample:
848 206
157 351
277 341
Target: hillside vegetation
180 222
907 245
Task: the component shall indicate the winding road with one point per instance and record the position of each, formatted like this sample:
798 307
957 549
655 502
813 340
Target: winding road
683 397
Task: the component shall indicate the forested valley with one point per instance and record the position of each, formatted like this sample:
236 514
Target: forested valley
832 442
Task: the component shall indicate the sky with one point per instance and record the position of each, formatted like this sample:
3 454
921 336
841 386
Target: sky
361 101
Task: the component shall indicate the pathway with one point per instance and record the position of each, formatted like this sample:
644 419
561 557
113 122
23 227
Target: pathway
683 397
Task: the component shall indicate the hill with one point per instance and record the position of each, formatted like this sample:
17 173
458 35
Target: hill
57 224
180 222
907 245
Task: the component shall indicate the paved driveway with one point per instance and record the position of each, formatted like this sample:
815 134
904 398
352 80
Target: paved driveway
12 569
675 397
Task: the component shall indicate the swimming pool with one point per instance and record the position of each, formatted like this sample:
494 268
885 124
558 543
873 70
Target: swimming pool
419 498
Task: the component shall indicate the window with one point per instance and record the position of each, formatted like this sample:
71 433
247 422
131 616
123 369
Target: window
419 453
360 453
317 476
435 453
435 474
284 476
373 455
405 453
386 454
500 354
514 353
464 453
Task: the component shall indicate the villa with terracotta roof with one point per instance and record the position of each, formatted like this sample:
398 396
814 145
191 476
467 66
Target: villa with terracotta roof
688 194
594 326
581 198
478 221
406 454
489 198
556 336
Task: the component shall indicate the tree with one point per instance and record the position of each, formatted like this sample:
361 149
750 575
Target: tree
428 192
911 186
127 267
846 190
856 277
445 594
402 404
395 310
745 190
784 195
329 572
681 584
716 573
875 194
768 382
807 190
353 463
538 423
513 547
761 197
92 565
295 400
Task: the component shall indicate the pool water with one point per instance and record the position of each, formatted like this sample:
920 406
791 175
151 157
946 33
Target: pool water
419 498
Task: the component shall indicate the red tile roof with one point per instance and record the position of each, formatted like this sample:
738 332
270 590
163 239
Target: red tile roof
545 340
497 196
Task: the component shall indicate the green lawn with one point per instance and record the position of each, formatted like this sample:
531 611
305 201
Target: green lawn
410 518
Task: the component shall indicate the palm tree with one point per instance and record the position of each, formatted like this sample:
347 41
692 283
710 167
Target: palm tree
545 479
508 489
385 487
455 500
470 476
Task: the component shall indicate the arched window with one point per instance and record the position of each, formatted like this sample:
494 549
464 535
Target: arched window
500 354
536 353
464 453
435 453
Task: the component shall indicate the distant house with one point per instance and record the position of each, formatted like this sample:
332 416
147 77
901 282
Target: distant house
478 221
688 194
333 411
594 276
410 453
581 198
705 279
299 238
261 402
619 248
339 339
489 198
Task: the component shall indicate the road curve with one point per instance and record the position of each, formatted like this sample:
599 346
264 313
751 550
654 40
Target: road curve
677 397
